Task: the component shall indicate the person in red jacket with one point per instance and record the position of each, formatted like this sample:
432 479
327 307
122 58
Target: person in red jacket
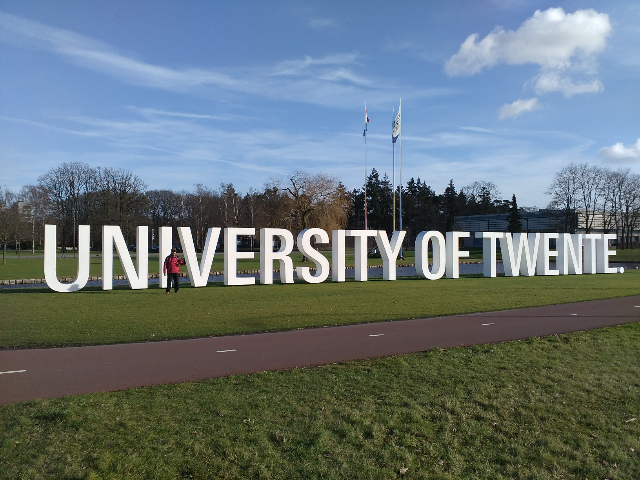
172 270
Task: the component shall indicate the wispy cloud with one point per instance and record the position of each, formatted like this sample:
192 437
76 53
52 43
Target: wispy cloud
323 23
328 80
189 141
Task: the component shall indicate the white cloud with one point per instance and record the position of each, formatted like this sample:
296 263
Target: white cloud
560 43
549 39
516 108
552 81
619 153
299 67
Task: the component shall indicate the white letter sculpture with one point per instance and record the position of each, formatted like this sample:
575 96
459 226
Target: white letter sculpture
337 255
544 254
267 255
198 276
231 256
570 254
360 252
389 252
589 241
439 255
165 243
137 280
454 254
602 265
489 240
50 249
322 264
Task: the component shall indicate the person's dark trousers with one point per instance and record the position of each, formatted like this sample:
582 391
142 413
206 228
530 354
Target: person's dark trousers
175 278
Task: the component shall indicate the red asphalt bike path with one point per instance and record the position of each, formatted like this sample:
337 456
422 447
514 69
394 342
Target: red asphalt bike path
55 372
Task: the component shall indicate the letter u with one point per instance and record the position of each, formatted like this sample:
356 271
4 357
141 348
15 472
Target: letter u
50 245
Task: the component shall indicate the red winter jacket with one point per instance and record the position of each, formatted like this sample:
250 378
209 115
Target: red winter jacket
172 264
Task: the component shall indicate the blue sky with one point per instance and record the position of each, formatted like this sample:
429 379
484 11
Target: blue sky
238 92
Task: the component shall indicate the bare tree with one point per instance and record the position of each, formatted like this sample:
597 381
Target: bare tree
274 208
40 211
202 211
250 210
8 219
583 190
229 205
119 198
629 207
589 183
315 200
66 185
482 189
564 195
612 182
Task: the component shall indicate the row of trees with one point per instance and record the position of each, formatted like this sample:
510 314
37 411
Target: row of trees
598 198
422 208
74 194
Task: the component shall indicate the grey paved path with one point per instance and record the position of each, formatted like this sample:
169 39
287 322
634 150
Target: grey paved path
56 372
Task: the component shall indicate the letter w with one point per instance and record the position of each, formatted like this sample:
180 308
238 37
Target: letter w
519 254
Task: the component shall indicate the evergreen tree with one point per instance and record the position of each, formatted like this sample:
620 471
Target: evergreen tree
450 206
379 202
513 222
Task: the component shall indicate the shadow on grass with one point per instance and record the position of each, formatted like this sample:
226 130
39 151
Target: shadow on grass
187 285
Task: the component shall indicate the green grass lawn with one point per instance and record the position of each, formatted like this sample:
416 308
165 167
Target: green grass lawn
29 267
562 407
627 255
40 317
68 267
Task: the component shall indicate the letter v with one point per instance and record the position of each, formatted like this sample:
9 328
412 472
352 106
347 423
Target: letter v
199 276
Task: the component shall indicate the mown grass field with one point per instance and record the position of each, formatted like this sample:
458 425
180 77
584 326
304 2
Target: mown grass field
565 406
562 407
33 267
39 317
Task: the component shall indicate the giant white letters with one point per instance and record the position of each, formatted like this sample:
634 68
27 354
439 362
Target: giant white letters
389 252
137 279
522 254
267 255
570 254
231 256
489 240
589 254
360 252
338 249
454 254
422 255
602 262
198 276
50 249
165 238
322 264
545 253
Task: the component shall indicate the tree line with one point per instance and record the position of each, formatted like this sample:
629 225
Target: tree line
75 193
599 199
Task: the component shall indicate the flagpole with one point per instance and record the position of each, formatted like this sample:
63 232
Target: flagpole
399 110
366 119
393 117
